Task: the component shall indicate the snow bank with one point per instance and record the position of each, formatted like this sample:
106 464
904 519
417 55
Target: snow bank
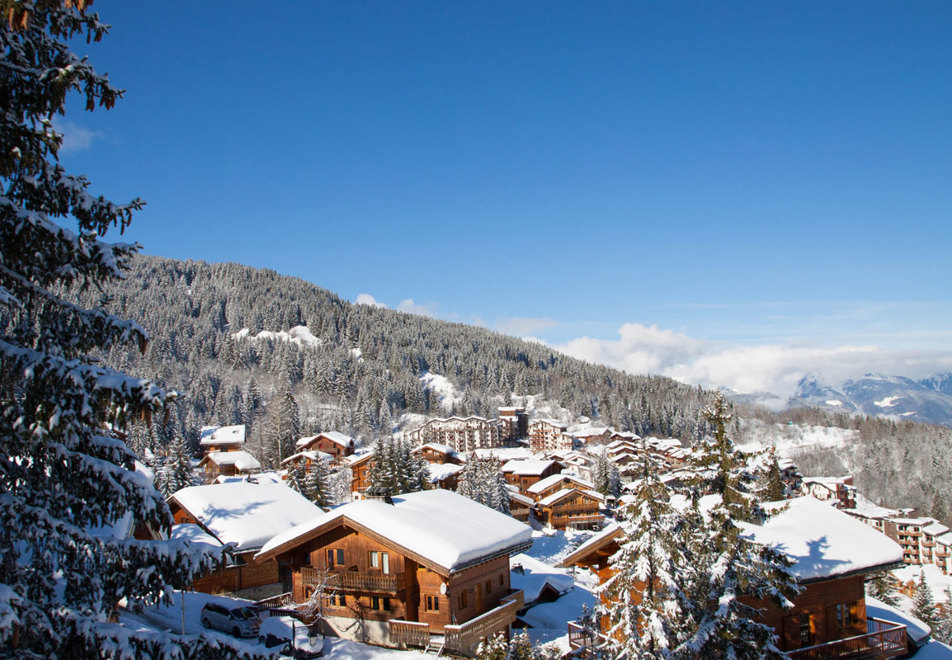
445 391
918 630
448 529
223 435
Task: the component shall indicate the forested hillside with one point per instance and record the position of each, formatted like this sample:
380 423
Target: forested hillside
220 337
230 339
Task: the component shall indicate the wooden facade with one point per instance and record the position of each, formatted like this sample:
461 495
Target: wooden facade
398 595
360 471
827 612
524 474
336 444
571 508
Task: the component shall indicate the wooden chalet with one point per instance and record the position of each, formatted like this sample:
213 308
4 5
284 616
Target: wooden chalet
444 475
222 438
837 490
520 506
359 466
305 459
246 514
524 473
434 452
427 569
832 553
571 508
228 464
338 445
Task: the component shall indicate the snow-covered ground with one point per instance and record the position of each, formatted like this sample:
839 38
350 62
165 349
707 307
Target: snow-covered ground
790 439
299 335
445 391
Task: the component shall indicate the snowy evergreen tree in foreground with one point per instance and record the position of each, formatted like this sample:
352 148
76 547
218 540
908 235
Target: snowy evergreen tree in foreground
683 567
645 594
66 483
605 475
727 565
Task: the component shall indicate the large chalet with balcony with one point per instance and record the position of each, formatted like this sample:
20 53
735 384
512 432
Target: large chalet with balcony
832 554
427 569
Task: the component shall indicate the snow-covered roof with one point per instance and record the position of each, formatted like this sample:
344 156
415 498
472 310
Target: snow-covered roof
935 529
334 436
527 468
604 537
504 453
359 457
446 529
917 629
310 454
913 521
241 459
554 479
244 513
516 496
223 435
195 534
440 471
934 650
565 492
531 576
550 422
270 477
823 541
829 481
866 508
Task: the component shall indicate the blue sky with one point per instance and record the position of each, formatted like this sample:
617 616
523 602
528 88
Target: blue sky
742 176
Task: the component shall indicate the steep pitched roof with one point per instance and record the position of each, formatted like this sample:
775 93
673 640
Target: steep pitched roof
444 531
245 513
223 435
241 459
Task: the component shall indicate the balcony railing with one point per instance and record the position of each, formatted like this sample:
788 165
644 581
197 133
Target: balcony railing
883 639
464 638
580 638
387 583
410 633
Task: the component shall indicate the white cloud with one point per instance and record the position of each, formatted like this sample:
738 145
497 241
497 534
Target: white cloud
367 299
519 326
425 309
75 137
772 368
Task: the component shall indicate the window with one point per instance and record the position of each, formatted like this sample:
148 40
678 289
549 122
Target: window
844 617
336 600
378 603
500 579
806 630
380 560
330 559
340 556
489 586
462 600
432 603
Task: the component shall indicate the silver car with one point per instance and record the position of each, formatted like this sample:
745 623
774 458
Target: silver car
239 620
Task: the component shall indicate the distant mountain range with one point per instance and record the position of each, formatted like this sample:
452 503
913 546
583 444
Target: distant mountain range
927 400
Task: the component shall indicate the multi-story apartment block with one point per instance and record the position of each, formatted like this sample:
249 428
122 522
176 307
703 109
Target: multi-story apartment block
548 435
839 490
907 532
514 422
462 434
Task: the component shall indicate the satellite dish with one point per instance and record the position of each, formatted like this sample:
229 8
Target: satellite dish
443 588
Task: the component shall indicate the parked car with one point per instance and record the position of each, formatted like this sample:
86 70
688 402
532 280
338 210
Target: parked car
294 638
239 620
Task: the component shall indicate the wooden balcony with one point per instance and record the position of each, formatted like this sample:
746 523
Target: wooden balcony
883 639
409 633
464 638
390 583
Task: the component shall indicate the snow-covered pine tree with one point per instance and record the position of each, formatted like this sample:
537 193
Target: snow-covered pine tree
318 486
644 598
284 427
176 473
65 475
520 647
880 589
923 604
481 480
728 565
600 471
767 469
298 478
